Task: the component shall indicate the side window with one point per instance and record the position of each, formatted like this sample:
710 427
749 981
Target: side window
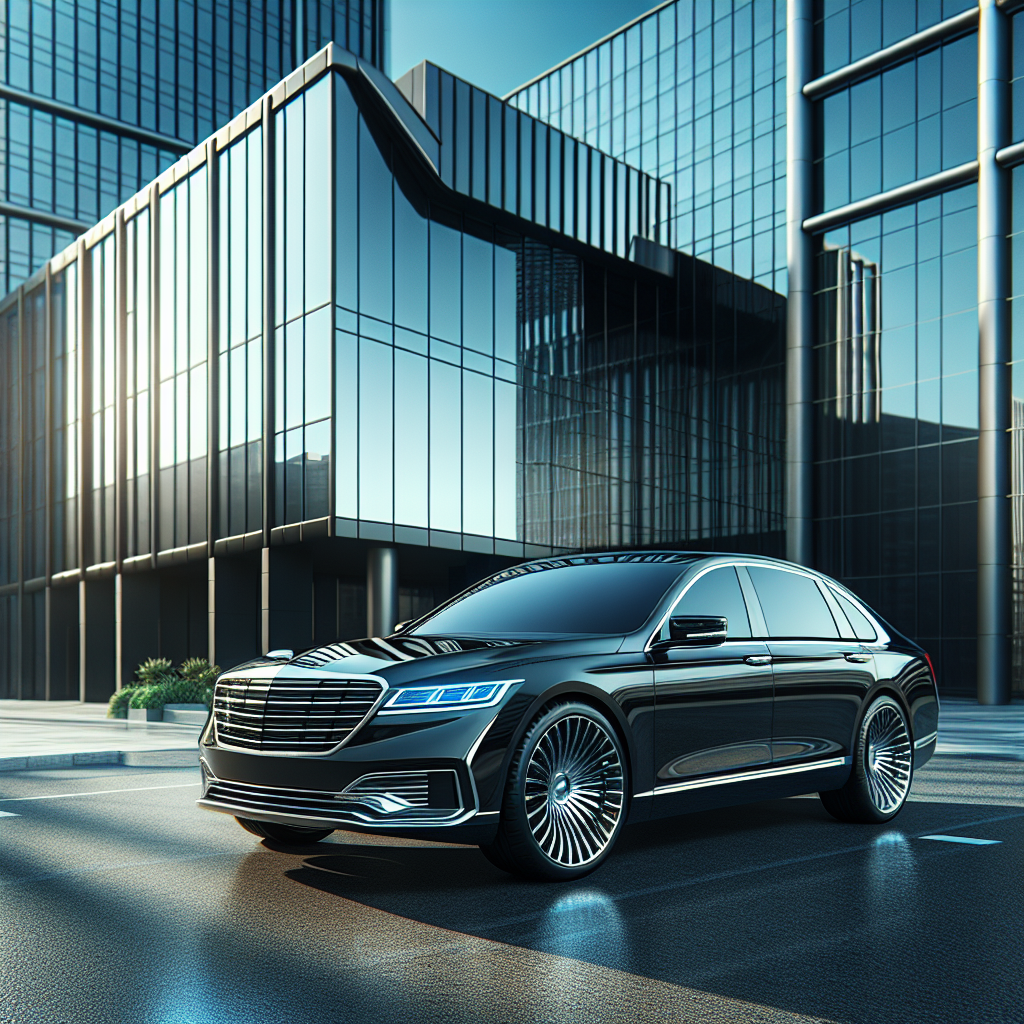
792 604
715 593
862 628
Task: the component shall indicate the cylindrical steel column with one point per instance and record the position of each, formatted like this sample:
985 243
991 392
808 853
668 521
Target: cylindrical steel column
800 260
381 591
994 540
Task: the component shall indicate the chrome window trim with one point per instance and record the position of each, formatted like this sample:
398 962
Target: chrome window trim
751 776
298 674
882 638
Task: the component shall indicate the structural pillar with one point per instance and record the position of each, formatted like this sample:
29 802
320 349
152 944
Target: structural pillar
381 591
994 352
800 296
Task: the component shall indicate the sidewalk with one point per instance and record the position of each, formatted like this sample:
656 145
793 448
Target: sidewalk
56 734
65 734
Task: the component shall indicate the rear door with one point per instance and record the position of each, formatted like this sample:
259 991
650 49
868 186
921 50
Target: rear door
821 675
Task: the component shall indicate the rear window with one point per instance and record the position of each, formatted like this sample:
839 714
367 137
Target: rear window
862 628
563 596
792 604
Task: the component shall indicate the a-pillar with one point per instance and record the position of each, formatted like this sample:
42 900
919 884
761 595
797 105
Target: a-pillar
96 639
287 600
381 591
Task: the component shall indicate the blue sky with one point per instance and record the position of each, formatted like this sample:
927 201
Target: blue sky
499 44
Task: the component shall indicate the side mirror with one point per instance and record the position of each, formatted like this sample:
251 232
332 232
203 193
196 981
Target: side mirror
698 630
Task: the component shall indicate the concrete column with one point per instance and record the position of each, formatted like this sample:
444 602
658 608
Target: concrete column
800 300
994 350
287 605
381 591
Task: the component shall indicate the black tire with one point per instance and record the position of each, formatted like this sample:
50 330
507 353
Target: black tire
566 797
883 768
286 835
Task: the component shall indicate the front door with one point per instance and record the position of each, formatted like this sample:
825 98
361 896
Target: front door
713 705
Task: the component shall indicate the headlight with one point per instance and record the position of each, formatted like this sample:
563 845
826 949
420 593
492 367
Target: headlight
460 697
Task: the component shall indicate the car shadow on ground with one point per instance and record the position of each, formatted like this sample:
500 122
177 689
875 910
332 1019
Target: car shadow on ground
774 903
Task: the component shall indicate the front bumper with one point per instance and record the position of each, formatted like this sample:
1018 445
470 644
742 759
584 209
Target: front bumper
413 779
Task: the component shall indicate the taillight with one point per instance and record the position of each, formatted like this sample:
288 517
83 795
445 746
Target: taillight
931 667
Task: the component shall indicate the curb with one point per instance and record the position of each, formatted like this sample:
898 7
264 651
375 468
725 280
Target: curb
187 757
172 728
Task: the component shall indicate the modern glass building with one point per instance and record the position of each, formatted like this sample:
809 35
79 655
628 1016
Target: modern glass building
861 158
739 276
362 346
97 97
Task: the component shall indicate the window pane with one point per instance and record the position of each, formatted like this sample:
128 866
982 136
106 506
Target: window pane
376 456
715 593
792 604
410 439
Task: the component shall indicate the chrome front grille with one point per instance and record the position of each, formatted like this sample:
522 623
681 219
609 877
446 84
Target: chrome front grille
291 715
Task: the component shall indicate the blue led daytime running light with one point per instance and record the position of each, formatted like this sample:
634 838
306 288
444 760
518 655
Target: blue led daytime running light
461 697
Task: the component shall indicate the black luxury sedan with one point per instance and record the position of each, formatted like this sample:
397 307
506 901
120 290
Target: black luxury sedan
542 709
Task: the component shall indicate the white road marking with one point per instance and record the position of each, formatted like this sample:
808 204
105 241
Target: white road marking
9 814
93 792
964 839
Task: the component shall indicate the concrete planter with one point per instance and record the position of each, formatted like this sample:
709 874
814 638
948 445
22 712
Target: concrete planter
186 714
145 714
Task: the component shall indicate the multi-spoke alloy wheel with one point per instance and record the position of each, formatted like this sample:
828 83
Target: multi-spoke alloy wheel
883 767
566 797
574 791
887 758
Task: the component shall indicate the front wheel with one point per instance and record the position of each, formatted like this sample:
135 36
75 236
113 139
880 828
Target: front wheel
287 835
565 799
883 768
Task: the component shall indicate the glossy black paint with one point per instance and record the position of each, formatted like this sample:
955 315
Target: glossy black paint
701 724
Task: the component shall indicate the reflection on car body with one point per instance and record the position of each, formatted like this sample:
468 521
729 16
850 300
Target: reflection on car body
547 706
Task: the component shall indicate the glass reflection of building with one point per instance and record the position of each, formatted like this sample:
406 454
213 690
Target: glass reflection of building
360 319
97 99
844 153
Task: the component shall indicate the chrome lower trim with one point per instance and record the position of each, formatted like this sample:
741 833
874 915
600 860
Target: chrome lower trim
925 740
244 799
754 776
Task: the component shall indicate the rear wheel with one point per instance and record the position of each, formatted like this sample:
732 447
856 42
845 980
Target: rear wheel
883 768
287 835
565 799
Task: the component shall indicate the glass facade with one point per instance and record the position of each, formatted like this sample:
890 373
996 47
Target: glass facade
695 94
391 360
96 100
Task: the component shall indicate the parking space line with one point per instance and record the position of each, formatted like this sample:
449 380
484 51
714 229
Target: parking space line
93 792
964 839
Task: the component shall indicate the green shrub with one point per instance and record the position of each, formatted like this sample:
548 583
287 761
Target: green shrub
147 696
155 670
157 683
118 706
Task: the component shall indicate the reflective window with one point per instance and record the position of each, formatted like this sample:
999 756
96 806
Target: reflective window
862 628
792 604
715 593
562 597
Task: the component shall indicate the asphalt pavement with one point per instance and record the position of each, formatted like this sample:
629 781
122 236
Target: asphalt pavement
120 901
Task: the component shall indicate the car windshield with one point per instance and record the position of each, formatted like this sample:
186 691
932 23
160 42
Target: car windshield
597 595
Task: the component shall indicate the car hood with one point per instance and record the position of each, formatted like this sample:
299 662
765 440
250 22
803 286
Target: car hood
401 658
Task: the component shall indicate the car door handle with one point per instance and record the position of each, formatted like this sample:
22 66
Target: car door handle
758 659
857 657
